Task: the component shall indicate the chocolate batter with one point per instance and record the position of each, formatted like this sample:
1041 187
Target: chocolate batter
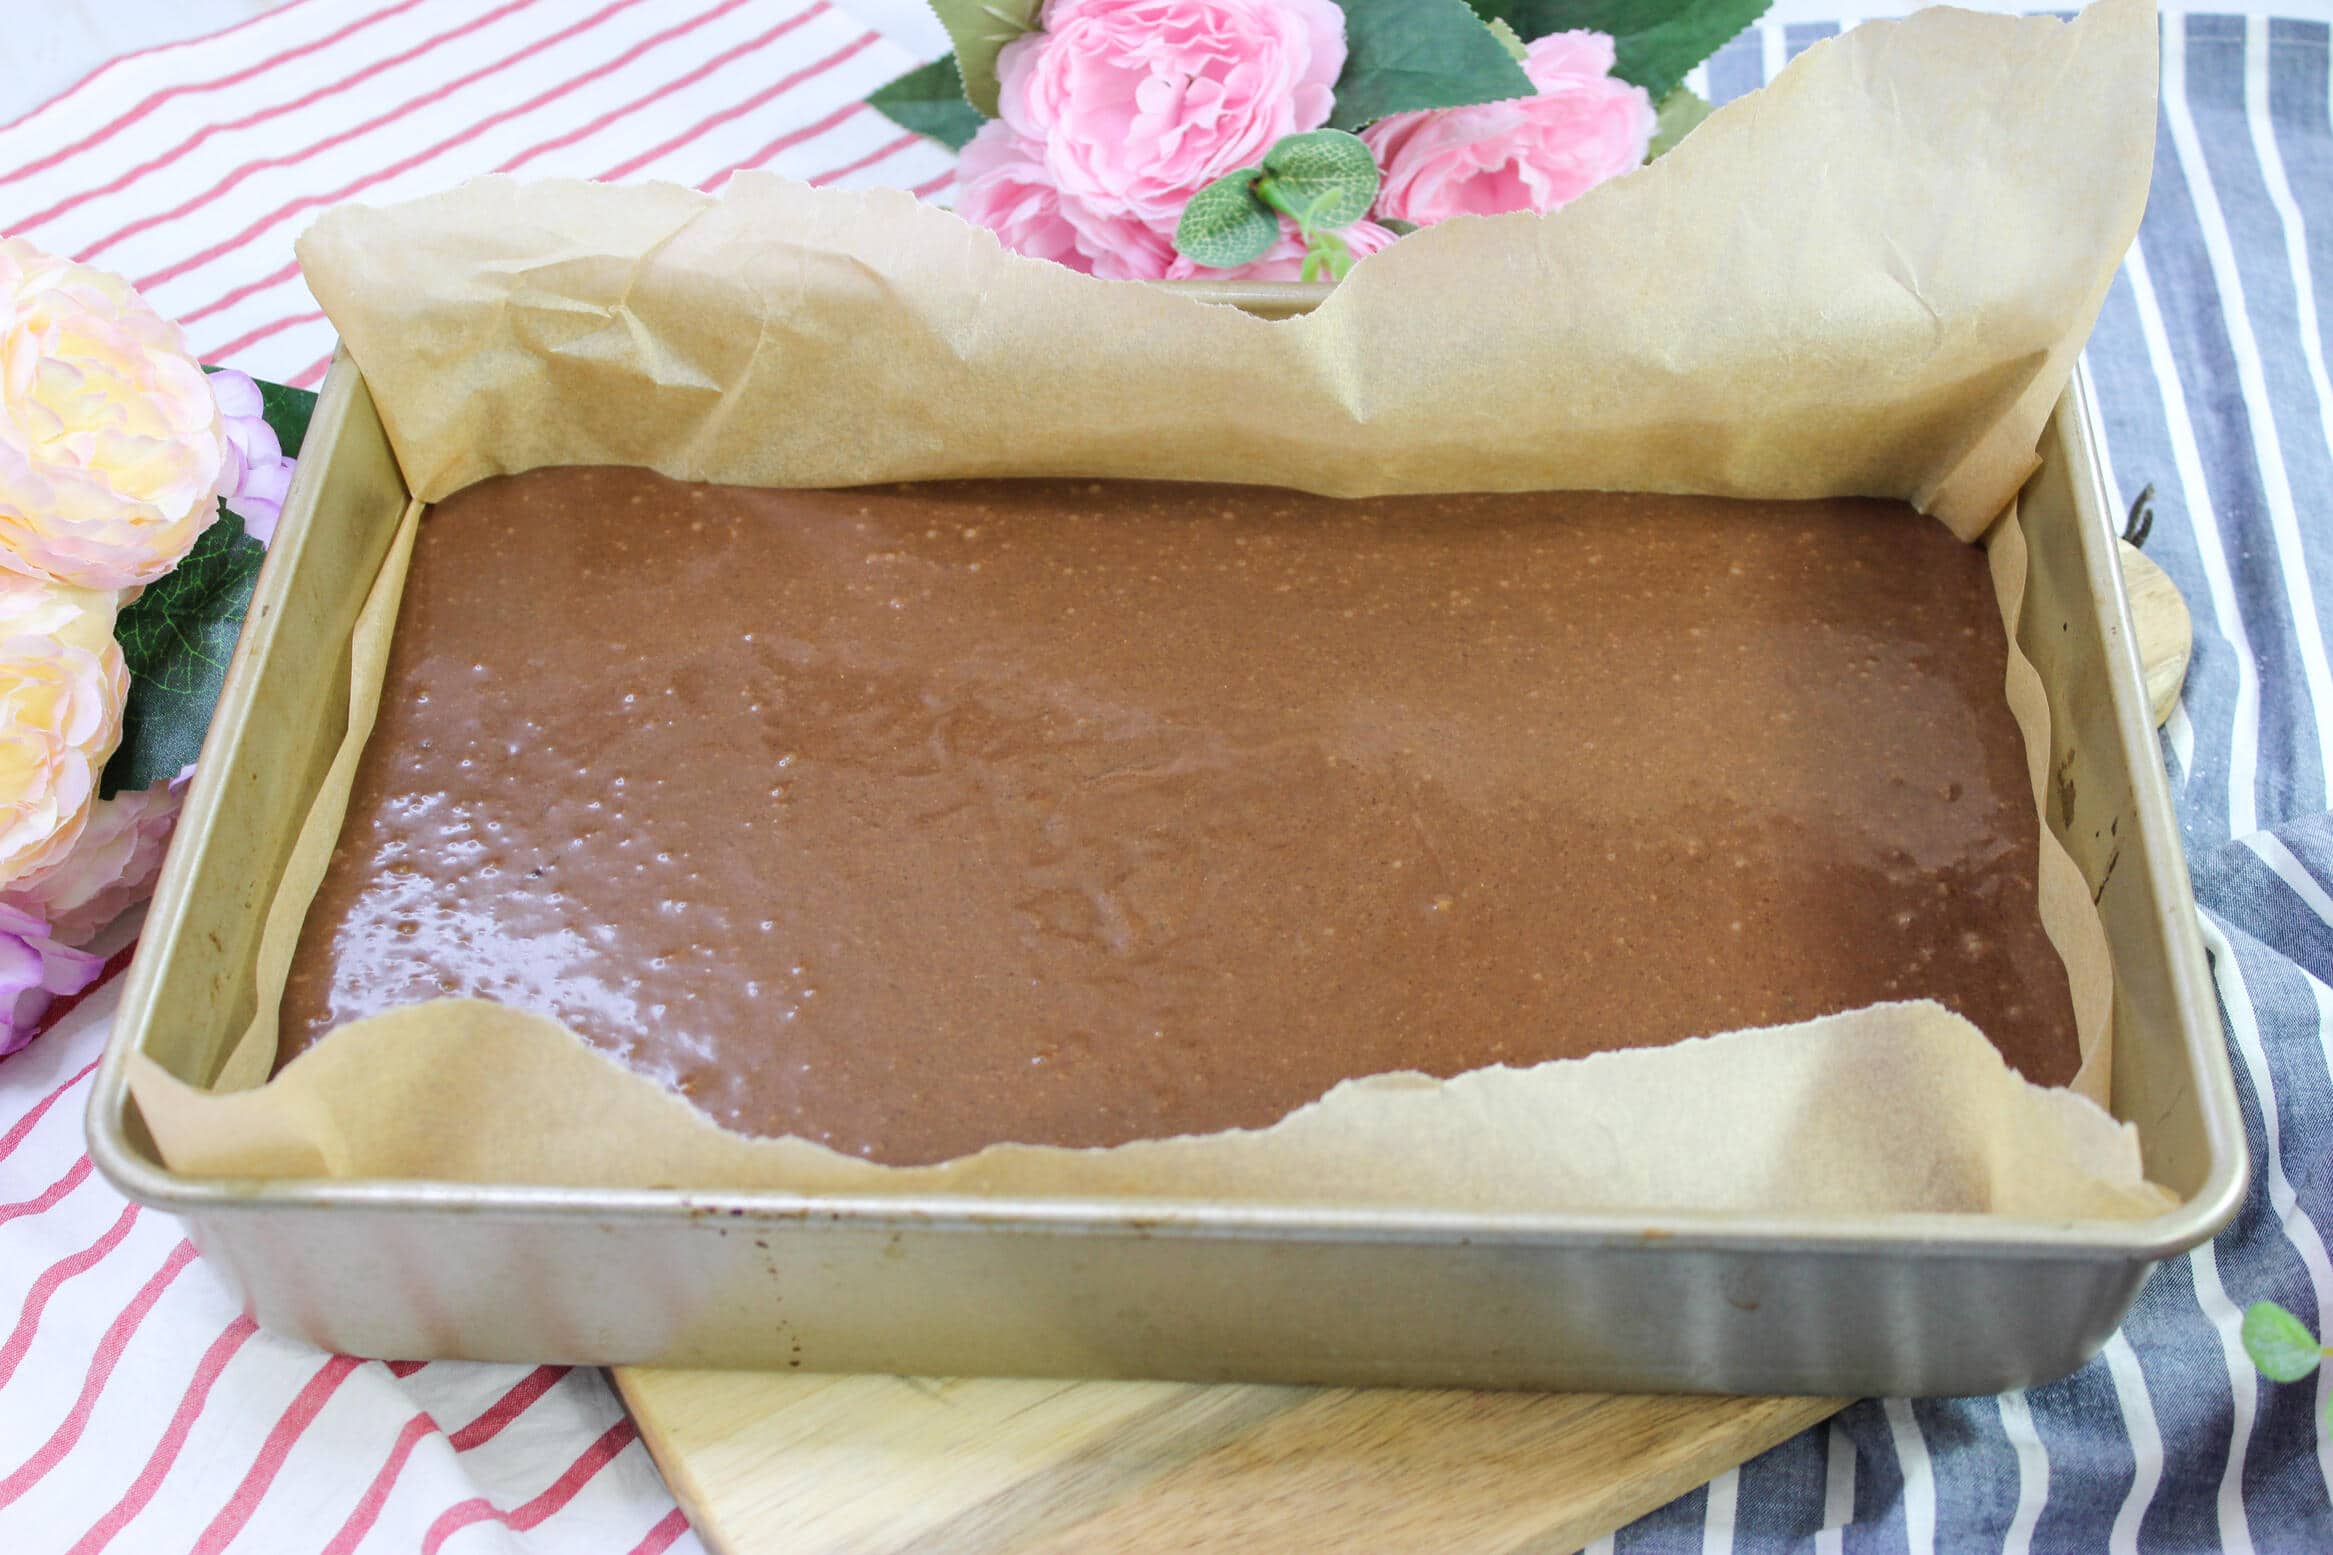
914 819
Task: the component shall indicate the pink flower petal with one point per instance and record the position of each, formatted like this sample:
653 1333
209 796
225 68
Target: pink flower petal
1534 153
1132 105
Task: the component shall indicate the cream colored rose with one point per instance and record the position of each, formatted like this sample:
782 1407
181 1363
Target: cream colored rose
111 446
62 682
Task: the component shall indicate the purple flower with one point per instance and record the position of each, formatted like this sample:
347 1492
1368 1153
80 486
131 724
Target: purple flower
33 970
257 473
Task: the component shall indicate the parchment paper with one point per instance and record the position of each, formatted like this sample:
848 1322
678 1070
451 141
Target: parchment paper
1872 279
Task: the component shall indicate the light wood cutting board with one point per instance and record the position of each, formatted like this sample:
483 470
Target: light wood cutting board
810 1465
787 1464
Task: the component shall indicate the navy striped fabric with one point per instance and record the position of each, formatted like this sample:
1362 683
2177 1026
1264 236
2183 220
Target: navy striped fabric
2211 366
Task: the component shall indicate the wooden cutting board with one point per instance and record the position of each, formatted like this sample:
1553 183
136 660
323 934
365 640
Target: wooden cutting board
809 1465
786 1464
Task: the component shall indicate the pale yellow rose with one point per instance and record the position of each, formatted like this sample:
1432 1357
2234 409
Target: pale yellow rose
111 445
62 682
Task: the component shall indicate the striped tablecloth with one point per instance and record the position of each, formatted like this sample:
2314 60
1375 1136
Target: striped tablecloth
140 1412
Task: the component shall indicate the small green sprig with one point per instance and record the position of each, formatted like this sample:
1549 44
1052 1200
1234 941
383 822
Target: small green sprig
1322 180
2281 1345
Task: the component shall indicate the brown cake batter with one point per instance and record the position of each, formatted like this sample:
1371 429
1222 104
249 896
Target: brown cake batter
913 819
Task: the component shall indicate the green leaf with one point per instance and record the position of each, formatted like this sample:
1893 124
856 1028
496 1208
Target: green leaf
1225 224
1681 112
2279 1343
287 411
1657 40
980 29
930 101
1405 54
1507 39
1325 254
177 639
1321 179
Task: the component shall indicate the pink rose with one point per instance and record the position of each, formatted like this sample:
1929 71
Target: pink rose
1529 154
1137 103
109 869
1284 260
34 969
110 443
257 474
1002 185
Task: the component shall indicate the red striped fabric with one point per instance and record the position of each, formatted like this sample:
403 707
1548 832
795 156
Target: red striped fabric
305 1406
19 1341
507 1408
900 143
230 298
313 374
594 125
129 1375
791 138
330 114
129 176
100 1368
405 112
597 1456
73 1178
198 1392
39 1109
368 1506
309 376
664 1535
418 1429
631 165
155 101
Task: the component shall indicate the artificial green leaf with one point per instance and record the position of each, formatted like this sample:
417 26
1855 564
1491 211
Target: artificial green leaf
1657 41
930 101
1225 224
176 639
1320 179
1325 254
287 411
1680 113
2279 1343
1507 39
1405 54
980 29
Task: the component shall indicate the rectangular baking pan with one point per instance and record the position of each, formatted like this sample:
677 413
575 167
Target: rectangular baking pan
1110 1288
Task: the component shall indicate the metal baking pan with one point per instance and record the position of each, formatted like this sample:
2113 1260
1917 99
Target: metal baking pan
1096 1288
